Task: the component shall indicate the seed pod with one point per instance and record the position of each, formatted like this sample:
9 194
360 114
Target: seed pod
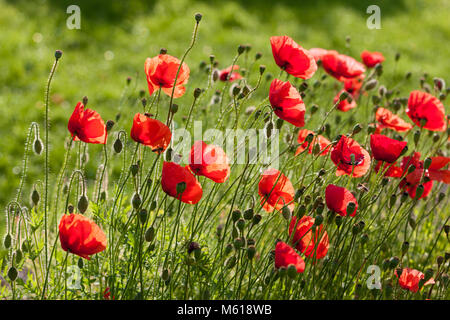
238 243
136 201
83 204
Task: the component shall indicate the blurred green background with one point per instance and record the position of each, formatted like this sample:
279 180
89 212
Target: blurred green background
116 37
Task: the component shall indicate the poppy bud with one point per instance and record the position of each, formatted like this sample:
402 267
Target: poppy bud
149 234
12 274
262 68
7 241
439 260
397 56
241 49
163 51
35 197
385 264
292 271
193 246
18 256
134 168
405 247
279 123
408 75
70 208
174 108
350 208
240 224
136 201
256 219
427 163
231 262
364 238
344 95
384 181
301 211
198 17
258 55
143 216
376 99
299 193
235 232
428 274
228 249
83 204
313 109
442 96
165 274
58 54
286 212
181 187
338 220
411 168
392 200
268 129
109 125
356 228
248 214
393 262
37 146
215 75
318 219
439 83
236 215
419 191
118 145
371 84
238 243
356 129
251 251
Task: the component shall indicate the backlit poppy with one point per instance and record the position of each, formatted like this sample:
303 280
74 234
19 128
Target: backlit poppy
353 85
386 149
318 53
150 132
424 106
209 161
371 59
174 175
338 198
341 66
225 74
285 256
161 72
287 102
324 143
87 125
389 169
412 180
341 155
387 119
410 278
276 191
292 58
305 241
346 104
80 235
436 172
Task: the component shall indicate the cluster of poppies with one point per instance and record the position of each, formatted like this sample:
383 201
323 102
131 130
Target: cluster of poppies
308 236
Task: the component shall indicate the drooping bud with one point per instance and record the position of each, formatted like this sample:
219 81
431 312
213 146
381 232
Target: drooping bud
251 251
371 84
136 201
118 145
12 273
35 197
83 204
256 219
240 224
37 146
150 234
109 125
143 215
248 214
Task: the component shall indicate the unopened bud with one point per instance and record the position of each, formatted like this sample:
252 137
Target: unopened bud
198 17
371 84
38 146
83 204
136 201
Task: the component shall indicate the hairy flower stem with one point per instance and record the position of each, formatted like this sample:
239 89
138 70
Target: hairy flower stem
46 171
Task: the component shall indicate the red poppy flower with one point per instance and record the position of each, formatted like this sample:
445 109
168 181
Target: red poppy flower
338 198
161 72
81 236
150 132
276 191
285 256
318 53
389 120
424 106
87 125
323 142
225 73
412 188
410 278
371 59
304 240
292 58
341 66
172 175
413 179
346 104
385 148
353 85
391 170
287 102
209 161
435 170
341 155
